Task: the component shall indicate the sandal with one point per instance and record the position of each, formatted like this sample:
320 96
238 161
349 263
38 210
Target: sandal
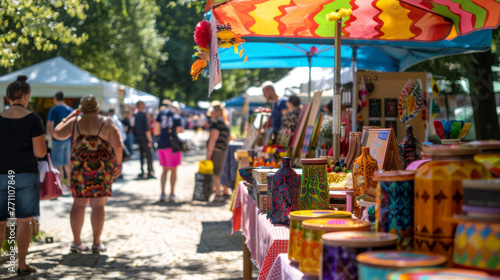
29 269
78 248
98 248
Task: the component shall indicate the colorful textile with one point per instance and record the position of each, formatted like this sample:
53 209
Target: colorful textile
92 162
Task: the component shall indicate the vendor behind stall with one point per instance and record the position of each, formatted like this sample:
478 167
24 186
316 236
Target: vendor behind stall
290 121
279 107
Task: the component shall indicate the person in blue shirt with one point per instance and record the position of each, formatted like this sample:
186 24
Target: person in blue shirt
61 149
279 108
168 123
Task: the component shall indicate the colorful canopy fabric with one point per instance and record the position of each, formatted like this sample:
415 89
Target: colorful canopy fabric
371 54
370 19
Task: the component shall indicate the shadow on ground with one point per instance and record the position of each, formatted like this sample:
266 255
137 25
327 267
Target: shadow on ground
216 237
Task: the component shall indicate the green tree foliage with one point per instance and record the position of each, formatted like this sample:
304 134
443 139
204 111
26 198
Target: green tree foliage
172 78
122 43
37 23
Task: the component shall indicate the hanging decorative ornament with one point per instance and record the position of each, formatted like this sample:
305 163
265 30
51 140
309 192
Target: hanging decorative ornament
411 99
197 68
202 34
226 38
363 94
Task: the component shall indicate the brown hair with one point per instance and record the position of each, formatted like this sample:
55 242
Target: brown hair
18 88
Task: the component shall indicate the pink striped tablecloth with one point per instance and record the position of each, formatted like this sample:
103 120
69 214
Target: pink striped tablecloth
264 240
285 270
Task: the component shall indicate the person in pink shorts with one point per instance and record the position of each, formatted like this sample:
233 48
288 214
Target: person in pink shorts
168 123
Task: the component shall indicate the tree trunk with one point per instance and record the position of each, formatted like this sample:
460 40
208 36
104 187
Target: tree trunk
483 97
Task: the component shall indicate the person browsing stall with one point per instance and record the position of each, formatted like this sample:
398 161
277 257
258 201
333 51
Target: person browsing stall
142 136
96 160
20 148
279 108
168 123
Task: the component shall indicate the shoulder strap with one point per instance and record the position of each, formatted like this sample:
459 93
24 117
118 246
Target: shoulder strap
103 122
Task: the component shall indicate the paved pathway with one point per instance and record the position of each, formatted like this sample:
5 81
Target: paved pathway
146 239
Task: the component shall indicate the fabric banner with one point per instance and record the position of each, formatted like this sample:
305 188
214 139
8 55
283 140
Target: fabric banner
215 81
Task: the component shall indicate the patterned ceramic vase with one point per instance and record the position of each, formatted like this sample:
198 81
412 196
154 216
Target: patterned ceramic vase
269 177
477 245
378 265
362 176
286 189
314 193
297 232
311 242
489 155
439 195
395 204
338 257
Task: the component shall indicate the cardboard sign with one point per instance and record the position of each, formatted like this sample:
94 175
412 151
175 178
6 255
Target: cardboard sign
384 148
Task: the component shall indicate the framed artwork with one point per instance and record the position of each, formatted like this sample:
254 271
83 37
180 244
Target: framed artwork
374 108
391 107
376 123
392 124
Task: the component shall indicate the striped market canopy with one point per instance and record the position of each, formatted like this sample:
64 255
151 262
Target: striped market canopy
302 20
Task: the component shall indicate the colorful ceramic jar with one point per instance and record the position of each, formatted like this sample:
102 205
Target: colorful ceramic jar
362 176
378 265
439 195
489 155
439 274
338 256
269 177
477 244
285 194
314 193
297 232
395 204
311 242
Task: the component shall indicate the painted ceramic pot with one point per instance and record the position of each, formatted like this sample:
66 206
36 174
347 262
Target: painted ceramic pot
477 245
438 273
378 265
338 257
314 193
439 195
311 242
269 177
395 204
297 232
489 155
362 176
285 194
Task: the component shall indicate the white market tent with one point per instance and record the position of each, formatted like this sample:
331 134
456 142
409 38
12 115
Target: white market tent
132 95
52 75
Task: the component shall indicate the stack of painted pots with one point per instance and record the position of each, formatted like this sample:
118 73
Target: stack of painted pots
477 240
395 205
311 241
297 232
338 256
378 265
439 195
314 192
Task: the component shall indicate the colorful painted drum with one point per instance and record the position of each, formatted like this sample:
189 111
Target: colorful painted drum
269 178
395 203
477 245
297 232
311 241
439 195
314 192
378 265
438 274
489 155
338 257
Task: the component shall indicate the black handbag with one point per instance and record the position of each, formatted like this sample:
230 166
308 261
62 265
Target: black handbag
177 144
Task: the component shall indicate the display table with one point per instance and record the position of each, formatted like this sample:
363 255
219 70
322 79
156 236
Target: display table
284 269
264 240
